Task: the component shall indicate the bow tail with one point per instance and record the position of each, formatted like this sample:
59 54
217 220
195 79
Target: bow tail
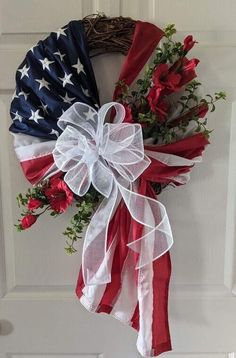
152 292
97 255
156 238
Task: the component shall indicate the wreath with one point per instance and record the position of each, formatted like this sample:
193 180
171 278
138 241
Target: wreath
111 160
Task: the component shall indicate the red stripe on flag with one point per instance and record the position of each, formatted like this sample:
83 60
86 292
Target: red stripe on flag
160 327
35 169
187 147
145 39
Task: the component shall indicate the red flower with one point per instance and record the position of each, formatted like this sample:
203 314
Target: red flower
202 110
165 79
171 79
58 195
28 221
34 204
157 104
128 114
196 111
188 70
188 43
153 98
162 110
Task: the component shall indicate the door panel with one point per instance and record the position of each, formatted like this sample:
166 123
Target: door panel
39 312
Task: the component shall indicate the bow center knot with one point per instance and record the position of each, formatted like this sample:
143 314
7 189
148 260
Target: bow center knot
91 154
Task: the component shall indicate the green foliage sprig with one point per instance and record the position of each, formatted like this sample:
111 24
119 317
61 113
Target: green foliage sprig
36 192
85 209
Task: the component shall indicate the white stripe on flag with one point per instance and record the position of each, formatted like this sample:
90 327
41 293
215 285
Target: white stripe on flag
145 299
28 147
127 300
92 294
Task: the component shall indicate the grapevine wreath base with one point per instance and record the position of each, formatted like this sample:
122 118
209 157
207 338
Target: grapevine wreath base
106 34
111 161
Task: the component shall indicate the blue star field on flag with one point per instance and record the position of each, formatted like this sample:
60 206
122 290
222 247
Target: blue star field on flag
55 73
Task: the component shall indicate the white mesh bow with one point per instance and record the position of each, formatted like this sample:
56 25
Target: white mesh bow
110 156
92 152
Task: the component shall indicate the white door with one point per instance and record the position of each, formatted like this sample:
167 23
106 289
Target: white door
39 313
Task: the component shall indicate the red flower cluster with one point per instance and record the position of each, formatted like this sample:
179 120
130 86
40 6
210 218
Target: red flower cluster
58 196
169 79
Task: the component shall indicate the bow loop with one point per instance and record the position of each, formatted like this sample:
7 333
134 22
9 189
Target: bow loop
82 117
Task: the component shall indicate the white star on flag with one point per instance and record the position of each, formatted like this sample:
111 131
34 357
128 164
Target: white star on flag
14 95
17 116
53 131
61 55
79 67
35 116
46 63
44 107
32 48
24 71
67 99
43 83
85 91
90 114
66 79
60 32
22 93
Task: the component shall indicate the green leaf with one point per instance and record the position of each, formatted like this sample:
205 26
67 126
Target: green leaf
213 108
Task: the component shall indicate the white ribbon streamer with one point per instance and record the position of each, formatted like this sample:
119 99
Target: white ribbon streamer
111 157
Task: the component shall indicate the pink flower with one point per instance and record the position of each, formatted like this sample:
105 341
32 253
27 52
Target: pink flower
188 43
34 204
58 195
28 221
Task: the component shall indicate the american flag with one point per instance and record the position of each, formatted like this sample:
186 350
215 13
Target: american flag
54 74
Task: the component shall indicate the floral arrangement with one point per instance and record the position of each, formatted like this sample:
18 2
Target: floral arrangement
166 102
169 87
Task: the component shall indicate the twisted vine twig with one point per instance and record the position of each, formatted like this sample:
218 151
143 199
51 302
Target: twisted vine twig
108 34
